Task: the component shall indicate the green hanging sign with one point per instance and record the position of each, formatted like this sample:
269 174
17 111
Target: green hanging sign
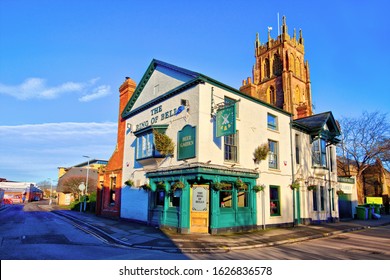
226 121
186 142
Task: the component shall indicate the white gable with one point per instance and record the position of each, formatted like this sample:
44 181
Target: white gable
160 82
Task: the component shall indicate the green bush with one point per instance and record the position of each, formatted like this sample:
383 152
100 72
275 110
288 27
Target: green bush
91 203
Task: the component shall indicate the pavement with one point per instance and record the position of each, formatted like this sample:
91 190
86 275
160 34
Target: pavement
125 233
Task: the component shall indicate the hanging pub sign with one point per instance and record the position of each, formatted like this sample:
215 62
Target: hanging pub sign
226 121
186 142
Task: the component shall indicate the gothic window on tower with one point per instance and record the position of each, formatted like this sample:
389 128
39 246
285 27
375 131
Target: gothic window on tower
277 65
271 95
267 70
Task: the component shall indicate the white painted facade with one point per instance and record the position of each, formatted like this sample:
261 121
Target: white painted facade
252 128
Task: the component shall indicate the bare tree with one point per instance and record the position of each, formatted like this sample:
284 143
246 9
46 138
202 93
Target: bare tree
71 184
364 140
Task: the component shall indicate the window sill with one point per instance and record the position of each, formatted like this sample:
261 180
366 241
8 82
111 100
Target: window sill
274 170
273 130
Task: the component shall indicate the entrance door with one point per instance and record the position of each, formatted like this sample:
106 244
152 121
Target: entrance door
199 209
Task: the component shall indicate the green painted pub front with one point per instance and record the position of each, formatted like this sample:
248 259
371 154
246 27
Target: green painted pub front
228 195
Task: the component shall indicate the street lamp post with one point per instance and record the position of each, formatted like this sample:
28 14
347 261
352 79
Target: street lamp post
86 184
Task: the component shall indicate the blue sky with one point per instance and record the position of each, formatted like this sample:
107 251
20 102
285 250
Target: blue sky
62 62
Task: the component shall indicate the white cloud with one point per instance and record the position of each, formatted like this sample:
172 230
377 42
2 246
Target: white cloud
37 88
99 92
33 152
65 129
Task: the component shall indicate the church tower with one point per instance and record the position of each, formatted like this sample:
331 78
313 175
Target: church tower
280 75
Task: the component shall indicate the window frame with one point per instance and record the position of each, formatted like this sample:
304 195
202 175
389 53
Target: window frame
246 198
297 149
315 202
145 142
273 153
272 125
322 198
273 200
230 190
159 200
319 153
231 147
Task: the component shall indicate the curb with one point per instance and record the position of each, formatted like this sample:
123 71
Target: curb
107 238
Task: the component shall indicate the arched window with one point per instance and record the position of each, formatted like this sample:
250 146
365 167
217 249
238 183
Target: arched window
277 65
271 95
267 70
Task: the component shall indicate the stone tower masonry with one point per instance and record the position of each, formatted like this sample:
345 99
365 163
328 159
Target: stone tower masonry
280 75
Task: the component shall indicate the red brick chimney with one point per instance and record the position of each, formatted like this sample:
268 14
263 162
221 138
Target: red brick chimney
108 203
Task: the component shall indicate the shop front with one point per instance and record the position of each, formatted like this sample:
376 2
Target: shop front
201 198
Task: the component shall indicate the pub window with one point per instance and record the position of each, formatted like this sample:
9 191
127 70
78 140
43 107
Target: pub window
315 204
319 152
145 146
273 154
297 142
174 200
272 122
274 199
160 197
226 197
322 198
231 147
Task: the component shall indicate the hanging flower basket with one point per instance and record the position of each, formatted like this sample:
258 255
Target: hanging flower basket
311 187
163 143
295 185
129 183
219 186
260 153
177 185
259 188
240 184
160 186
146 187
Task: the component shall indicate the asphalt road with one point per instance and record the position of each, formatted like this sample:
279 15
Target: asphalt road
28 233
368 244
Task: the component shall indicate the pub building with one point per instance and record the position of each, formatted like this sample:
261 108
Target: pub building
200 156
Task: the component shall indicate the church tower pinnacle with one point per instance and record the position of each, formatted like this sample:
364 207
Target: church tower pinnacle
280 76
